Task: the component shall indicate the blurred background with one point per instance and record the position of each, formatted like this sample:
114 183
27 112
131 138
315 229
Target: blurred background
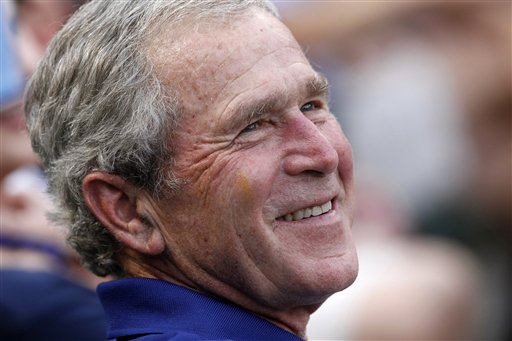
45 293
423 91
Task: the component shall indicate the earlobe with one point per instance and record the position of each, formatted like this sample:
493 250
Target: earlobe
115 203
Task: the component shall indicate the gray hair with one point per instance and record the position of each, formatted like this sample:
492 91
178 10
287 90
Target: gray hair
95 103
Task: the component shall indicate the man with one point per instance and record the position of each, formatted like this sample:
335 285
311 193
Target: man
192 152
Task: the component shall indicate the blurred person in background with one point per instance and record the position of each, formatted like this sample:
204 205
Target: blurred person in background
44 292
425 96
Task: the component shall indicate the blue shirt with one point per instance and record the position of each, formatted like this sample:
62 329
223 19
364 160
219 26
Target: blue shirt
159 310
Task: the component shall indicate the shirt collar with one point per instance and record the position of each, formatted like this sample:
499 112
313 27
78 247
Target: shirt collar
144 305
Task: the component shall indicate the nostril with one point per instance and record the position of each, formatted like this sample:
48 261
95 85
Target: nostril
315 173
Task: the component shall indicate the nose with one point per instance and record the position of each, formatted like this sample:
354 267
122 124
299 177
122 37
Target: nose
310 148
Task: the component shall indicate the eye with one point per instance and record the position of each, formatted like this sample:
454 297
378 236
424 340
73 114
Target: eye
309 106
251 127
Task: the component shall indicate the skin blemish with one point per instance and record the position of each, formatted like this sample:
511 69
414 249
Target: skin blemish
244 186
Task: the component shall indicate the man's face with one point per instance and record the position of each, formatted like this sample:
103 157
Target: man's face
258 148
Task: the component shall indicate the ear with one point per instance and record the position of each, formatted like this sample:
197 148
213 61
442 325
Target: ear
115 203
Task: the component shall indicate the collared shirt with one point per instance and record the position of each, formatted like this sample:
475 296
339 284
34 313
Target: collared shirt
159 310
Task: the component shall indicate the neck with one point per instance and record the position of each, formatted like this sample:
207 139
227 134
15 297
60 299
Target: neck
293 320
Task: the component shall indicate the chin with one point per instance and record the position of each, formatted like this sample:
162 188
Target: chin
320 284
331 282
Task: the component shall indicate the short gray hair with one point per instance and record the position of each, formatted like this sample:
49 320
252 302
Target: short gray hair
95 103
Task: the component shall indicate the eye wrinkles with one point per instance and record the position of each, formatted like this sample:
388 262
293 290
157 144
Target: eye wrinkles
251 111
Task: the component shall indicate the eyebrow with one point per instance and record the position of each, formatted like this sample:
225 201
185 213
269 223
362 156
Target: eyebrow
253 110
318 86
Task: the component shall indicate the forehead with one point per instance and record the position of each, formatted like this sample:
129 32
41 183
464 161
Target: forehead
209 64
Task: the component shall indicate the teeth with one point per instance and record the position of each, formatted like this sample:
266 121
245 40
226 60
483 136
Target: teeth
307 212
298 215
326 207
317 210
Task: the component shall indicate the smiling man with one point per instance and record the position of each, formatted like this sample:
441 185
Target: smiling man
193 155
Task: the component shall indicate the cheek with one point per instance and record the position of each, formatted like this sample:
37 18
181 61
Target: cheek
239 216
253 175
224 196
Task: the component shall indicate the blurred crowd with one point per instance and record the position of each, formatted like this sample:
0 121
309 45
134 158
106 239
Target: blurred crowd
423 91
45 293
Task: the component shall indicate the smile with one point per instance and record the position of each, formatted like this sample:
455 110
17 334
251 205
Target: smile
307 212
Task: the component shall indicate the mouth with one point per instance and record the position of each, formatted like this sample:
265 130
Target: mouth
308 212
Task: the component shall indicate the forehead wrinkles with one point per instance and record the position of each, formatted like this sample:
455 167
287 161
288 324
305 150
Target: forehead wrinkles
201 63
259 69
175 51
